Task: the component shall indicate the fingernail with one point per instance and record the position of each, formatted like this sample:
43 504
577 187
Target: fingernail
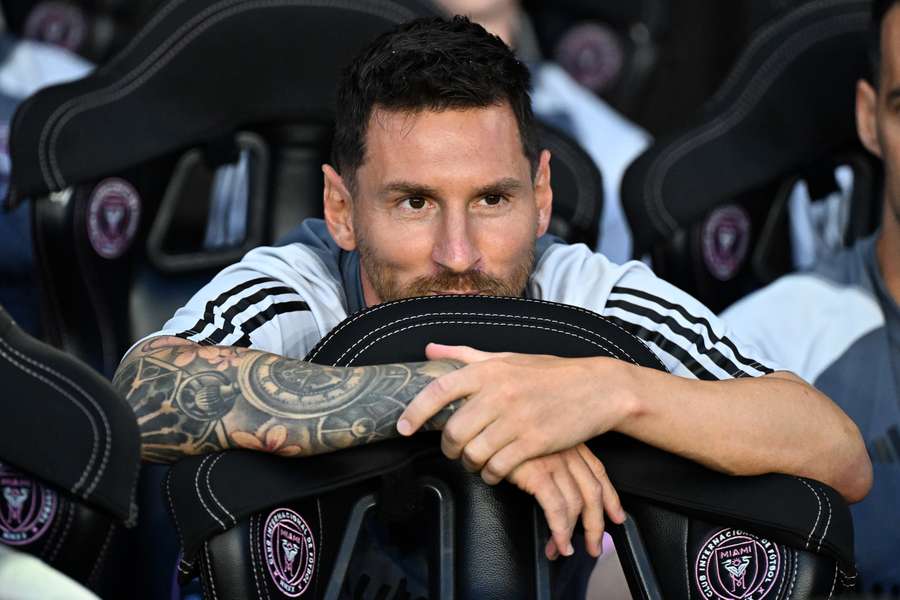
403 427
569 550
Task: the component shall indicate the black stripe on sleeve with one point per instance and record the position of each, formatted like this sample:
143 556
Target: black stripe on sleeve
690 336
260 319
240 306
208 311
714 339
663 343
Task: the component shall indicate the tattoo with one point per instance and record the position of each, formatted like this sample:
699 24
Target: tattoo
192 399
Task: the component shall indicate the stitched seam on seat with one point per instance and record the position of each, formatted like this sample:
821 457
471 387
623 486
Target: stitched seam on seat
485 323
65 534
200 495
804 38
687 572
321 542
827 523
376 308
84 474
95 571
108 446
157 60
253 526
793 576
818 513
209 487
478 314
833 583
168 486
212 581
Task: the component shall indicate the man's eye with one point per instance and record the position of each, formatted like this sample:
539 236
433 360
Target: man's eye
493 199
415 203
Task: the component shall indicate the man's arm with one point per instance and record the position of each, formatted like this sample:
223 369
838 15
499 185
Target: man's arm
191 399
771 424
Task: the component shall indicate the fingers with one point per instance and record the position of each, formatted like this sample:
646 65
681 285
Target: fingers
574 506
506 460
611 502
591 491
552 501
464 354
479 448
434 397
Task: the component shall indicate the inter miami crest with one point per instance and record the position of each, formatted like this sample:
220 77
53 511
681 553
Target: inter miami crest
26 508
734 565
113 212
290 551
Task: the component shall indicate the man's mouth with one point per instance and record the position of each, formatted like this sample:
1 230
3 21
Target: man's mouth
455 292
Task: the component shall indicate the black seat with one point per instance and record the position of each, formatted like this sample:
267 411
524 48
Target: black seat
709 202
685 522
69 456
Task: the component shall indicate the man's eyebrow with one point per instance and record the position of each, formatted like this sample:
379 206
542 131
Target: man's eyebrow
507 185
408 188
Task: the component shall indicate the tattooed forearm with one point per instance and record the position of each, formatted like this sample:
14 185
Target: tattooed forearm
192 399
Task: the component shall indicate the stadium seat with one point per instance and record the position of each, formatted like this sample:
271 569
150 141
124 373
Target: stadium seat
260 526
710 202
69 457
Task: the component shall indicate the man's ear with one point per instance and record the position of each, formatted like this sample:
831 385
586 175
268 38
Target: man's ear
338 210
543 193
867 117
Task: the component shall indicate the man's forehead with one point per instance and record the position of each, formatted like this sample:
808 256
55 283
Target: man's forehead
890 48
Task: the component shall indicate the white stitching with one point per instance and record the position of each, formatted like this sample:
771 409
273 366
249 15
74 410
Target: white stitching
157 60
476 314
687 570
209 487
94 450
168 486
321 542
100 557
65 533
253 549
827 523
212 581
833 583
484 323
200 496
818 514
793 576
369 311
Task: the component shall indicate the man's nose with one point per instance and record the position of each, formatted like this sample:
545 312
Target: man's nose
455 247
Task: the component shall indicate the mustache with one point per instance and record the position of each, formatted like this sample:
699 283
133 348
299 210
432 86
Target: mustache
473 281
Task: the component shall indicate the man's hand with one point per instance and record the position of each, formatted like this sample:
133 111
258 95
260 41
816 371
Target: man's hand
517 406
568 484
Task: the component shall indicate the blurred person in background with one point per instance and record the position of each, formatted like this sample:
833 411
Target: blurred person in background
25 67
838 325
608 137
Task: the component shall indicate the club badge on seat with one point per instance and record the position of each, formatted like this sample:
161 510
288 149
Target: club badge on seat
290 551
26 508
734 565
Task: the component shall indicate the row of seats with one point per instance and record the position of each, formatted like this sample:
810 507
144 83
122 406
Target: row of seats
111 214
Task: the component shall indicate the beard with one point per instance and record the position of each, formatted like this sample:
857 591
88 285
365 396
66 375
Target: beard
387 287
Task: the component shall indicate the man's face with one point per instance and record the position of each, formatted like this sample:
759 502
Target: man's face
445 203
878 112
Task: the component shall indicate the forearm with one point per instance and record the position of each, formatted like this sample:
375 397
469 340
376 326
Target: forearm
749 426
190 399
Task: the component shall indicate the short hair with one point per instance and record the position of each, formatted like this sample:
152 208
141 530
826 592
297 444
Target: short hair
879 9
430 63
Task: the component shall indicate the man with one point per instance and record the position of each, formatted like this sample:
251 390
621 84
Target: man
609 138
838 326
440 188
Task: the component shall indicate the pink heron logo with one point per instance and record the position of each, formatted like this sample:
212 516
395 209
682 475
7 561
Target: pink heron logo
734 565
290 551
26 508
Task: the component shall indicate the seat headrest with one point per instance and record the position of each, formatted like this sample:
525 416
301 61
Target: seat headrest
787 103
196 71
65 424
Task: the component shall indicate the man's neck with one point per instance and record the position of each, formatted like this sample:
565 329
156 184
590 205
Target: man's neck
887 250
